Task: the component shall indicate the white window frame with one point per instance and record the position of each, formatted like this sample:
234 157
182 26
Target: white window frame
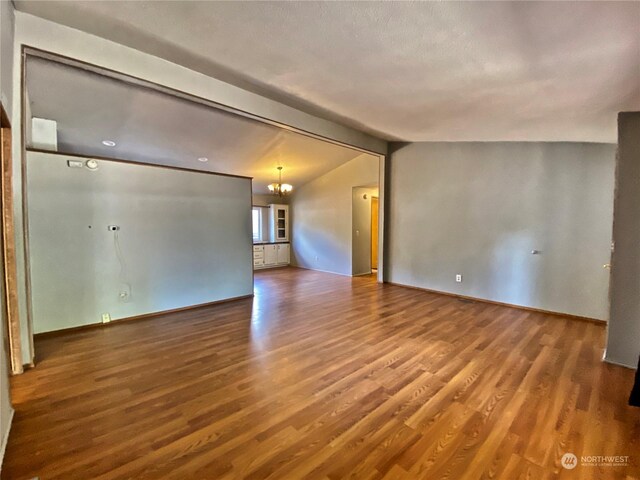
258 210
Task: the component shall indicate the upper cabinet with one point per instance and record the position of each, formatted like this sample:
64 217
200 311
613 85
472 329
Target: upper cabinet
279 223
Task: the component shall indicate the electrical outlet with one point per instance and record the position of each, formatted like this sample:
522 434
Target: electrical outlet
459 278
106 318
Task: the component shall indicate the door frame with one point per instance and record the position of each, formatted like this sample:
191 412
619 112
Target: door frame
377 201
8 249
383 211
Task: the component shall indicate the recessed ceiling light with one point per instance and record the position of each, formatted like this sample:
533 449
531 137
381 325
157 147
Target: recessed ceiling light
108 143
203 159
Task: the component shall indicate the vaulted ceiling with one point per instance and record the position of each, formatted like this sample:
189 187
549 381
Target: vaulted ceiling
554 71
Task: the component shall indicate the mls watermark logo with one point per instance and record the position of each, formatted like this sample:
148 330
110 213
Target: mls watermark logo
569 461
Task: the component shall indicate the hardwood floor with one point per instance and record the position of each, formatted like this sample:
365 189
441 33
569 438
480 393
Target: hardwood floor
322 376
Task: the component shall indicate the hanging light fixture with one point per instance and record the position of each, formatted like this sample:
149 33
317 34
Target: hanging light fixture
280 189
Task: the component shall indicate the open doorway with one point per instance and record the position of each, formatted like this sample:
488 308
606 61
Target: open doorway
49 82
364 216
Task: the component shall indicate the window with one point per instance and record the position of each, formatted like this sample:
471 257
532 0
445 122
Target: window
256 223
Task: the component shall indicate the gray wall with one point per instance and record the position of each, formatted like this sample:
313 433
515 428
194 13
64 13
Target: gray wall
479 209
185 238
361 232
6 411
321 216
6 92
623 342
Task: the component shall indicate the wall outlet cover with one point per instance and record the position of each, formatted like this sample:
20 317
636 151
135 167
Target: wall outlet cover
106 318
459 278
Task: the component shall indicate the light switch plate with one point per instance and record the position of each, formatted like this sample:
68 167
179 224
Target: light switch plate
75 164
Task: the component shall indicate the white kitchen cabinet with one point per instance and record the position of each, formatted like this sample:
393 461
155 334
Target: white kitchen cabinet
283 254
279 223
270 255
258 256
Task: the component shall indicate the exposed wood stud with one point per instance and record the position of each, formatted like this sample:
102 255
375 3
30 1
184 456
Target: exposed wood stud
8 254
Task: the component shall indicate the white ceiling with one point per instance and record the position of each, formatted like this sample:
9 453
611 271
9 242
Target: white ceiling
153 127
448 71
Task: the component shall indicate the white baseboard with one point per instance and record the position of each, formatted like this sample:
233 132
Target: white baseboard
5 438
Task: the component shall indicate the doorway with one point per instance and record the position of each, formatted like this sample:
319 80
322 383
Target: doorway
365 216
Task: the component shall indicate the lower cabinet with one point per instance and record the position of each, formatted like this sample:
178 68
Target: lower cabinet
271 255
258 256
283 254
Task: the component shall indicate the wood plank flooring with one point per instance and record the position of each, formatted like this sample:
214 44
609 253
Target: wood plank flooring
325 377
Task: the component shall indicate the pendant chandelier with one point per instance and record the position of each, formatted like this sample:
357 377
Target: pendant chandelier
280 189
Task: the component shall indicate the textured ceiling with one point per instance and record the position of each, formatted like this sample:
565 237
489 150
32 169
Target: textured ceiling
403 70
153 127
